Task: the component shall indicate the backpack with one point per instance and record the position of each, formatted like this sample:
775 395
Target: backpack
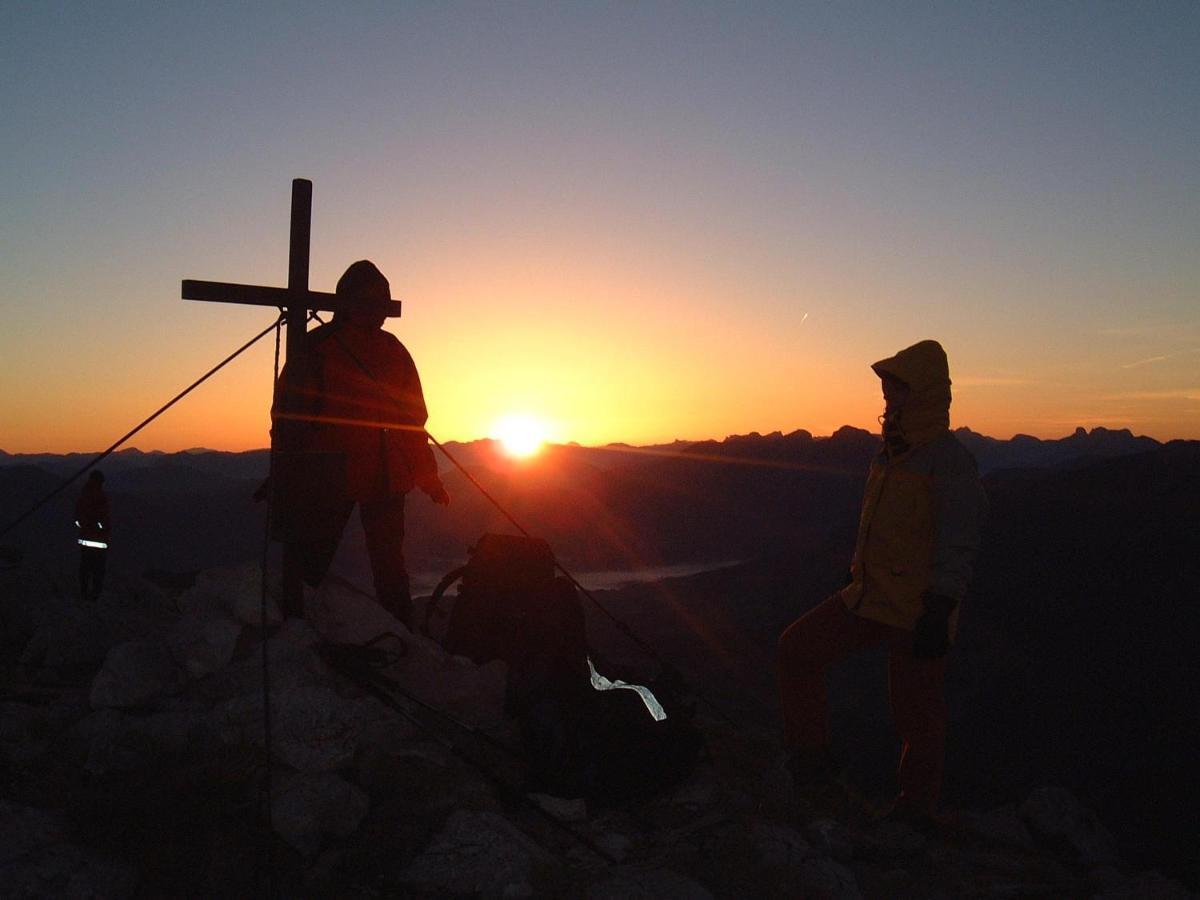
580 737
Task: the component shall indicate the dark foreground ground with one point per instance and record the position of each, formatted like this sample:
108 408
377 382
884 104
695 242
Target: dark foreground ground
133 763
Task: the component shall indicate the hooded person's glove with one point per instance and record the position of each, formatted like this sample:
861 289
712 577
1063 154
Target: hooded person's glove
931 634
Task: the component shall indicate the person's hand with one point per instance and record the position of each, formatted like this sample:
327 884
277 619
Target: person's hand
437 493
931 634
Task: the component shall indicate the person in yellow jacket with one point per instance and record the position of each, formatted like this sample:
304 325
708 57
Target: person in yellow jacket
918 537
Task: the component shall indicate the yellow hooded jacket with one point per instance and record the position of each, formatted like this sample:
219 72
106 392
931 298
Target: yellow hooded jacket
922 508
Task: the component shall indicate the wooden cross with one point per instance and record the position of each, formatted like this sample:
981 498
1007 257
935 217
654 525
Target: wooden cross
296 299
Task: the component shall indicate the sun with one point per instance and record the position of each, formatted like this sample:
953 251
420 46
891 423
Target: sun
521 435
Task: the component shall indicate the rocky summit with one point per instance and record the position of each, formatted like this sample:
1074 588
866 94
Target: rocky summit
135 763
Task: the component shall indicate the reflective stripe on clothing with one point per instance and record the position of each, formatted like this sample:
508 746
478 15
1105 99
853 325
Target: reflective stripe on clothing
99 545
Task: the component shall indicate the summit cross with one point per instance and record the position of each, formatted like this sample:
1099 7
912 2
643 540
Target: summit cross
296 300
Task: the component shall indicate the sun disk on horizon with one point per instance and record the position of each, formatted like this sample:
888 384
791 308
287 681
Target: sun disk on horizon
521 435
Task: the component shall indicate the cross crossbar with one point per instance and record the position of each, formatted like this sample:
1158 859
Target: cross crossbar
255 295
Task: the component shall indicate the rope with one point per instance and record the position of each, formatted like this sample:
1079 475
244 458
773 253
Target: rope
162 409
267 786
622 626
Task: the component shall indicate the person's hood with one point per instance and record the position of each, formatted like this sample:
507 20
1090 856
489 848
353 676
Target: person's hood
925 414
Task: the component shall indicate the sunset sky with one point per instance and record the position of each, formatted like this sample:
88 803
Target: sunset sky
632 221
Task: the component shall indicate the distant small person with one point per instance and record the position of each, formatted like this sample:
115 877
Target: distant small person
918 537
91 518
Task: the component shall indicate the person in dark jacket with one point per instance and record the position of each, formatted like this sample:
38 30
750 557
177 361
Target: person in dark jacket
918 537
350 416
91 518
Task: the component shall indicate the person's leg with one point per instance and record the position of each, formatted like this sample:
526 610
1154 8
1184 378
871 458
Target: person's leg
306 560
85 574
98 570
827 634
383 523
918 698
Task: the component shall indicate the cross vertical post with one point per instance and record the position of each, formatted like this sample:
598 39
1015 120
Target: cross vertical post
298 251
299 241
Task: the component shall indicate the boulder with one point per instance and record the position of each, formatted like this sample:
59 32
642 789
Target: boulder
123 742
479 854
307 808
291 661
313 728
831 838
648 883
316 730
431 781
779 846
202 646
1058 818
343 615
69 635
27 731
136 674
1002 826
38 860
74 636
823 879
234 591
1147 886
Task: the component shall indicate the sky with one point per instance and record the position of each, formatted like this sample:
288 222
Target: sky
633 221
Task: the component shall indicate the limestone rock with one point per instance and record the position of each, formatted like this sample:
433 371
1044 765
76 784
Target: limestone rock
38 860
1056 816
202 646
479 854
307 808
135 674
639 883
27 731
123 742
779 846
1002 826
831 838
1147 886
234 591
824 879
313 729
291 661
